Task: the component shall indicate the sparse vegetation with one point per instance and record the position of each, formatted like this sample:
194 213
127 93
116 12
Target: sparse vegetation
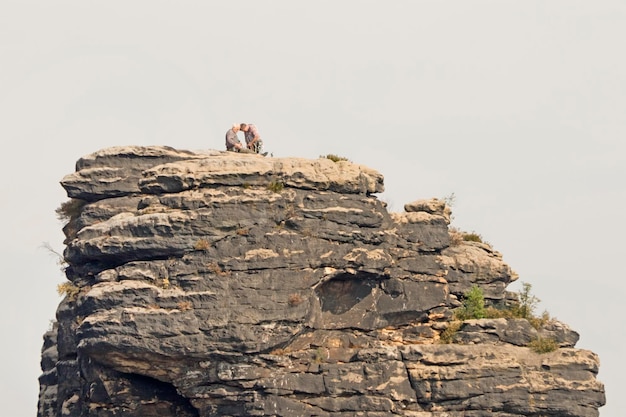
295 299
243 231
527 302
473 305
334 158
474 308
165 283
543 345
202 244
185 305
496 313
275 186
59 257
473 237
68 212
541 321
319 355
450 199
448 334
70 209
68 289
525 308
217 269
456 236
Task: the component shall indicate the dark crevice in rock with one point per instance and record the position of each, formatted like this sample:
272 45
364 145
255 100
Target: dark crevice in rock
344 291
403 317
86 271
145 387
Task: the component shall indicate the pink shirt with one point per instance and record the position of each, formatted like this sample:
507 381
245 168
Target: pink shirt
252 133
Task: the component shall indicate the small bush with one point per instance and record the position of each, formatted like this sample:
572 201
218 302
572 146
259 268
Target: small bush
70 209
68 289
217 269
448 334
165 283
496 313
472 237
543 345
523 309
527 301
320 355
456 236
541 321
450 199
202 244
473 305
474 308
275 186
334 158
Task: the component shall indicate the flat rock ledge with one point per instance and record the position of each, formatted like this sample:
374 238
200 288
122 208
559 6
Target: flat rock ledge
223 284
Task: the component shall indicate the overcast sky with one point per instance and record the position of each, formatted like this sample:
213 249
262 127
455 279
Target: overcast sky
516 107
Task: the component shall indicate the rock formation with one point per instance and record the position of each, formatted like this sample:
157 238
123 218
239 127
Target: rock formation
225 284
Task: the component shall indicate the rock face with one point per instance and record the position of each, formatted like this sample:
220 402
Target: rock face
225 284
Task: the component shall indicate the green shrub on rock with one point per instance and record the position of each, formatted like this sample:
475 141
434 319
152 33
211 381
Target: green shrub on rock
447 336
334 158
473 305
543 345
275 186
472 237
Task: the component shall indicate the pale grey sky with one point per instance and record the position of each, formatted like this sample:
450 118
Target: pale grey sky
516 107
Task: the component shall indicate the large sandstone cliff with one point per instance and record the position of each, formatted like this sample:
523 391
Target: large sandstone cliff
220 284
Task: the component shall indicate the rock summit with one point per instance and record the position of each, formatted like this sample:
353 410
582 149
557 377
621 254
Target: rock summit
224 284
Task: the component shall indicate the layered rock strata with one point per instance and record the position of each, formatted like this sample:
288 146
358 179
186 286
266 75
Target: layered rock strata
225 284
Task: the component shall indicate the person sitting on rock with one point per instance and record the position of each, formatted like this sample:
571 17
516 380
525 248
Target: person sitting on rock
253 138
233 143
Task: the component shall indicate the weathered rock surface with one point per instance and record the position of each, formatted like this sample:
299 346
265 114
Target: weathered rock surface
224 284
